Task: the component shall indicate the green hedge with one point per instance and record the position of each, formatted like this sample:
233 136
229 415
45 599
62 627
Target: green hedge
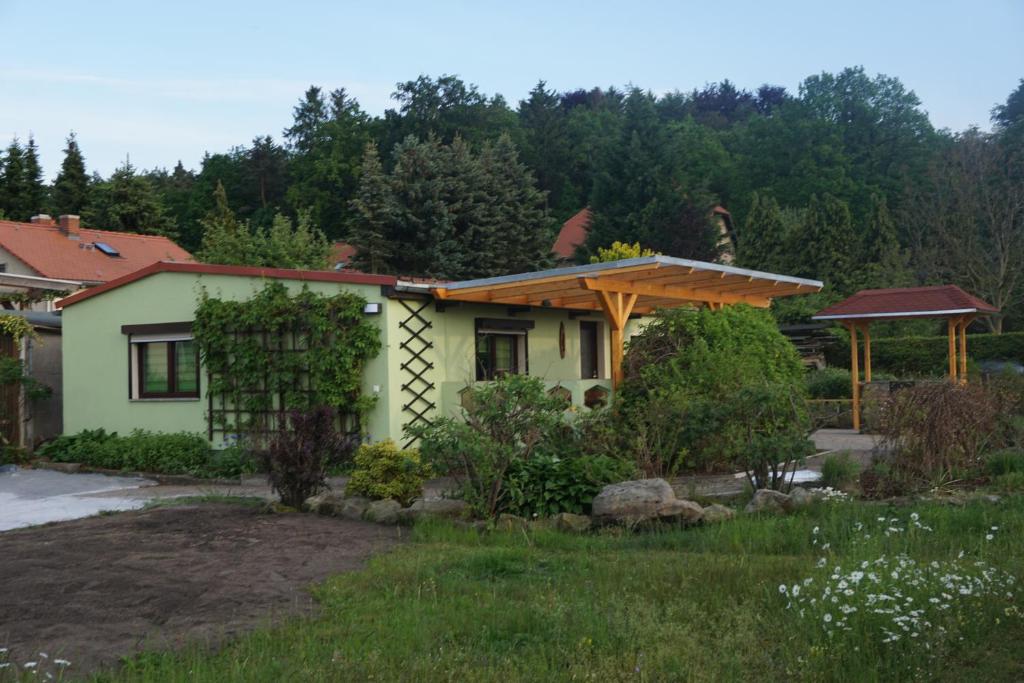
143 451
922 356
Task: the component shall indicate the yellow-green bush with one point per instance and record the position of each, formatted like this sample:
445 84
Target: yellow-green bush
383 471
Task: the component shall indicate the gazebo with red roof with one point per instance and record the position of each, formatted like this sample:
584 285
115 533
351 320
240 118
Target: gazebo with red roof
947 302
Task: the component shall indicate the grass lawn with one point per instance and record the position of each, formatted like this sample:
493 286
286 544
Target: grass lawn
692 604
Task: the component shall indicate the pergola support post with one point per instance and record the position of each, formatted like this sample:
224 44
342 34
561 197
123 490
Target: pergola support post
617 308
855 376
866 330
964 322
952 328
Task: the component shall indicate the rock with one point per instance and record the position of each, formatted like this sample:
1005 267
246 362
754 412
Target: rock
8 469
353 508
716 513
767 500
642 500
800 497
325 503
682 512
506 522
65 467
434 508
383 511
567 521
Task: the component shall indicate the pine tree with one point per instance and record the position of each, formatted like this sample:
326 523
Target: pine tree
309 117
13 190
226 240
373 215
71 188
762 242
546 148
35 190
300 245
883 262
128 202
828 244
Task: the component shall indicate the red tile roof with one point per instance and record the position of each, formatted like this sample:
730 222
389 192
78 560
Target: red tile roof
572 234
342 252
908 302
51 253
343 277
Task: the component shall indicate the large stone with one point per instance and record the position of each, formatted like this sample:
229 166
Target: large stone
434 508
567 521
800 497
642 500
716 513
383 511
352 507
507 522
767 500
326 503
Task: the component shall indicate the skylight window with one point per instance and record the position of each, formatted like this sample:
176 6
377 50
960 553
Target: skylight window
106 249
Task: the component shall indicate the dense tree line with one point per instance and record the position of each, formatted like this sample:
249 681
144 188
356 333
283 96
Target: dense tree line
845 180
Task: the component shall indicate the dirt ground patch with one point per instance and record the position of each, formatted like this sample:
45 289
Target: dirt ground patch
93 590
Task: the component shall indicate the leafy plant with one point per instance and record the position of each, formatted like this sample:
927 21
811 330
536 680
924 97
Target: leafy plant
305 445
1005 461
1011 482
506 422
829 383
383 471
839 470
140 451
546 484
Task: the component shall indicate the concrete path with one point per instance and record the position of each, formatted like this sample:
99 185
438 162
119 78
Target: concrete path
843 440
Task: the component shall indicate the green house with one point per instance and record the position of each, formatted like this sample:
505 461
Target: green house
565 325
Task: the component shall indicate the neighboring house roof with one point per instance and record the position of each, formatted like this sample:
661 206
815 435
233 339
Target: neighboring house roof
347 277
907 302
572 234
342 254
53 254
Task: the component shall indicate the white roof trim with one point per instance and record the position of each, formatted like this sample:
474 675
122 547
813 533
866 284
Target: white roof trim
904 314
597 268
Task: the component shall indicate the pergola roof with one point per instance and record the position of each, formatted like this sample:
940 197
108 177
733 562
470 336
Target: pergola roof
655 281
908 302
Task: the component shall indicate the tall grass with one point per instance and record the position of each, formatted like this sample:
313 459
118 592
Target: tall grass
697 604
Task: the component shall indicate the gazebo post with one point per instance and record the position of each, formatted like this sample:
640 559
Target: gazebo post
951 326
867 352
855 376
964 322
617 308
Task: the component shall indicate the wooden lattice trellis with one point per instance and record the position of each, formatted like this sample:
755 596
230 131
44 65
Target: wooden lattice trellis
416 391
257 425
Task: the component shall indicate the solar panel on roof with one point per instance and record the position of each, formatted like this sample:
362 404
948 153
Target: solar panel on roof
106 249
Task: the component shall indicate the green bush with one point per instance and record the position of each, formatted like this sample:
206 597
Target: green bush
714 390
144 451
913 356
545 485
829 383
383 471
1011 482
1005 461
509 424
839 470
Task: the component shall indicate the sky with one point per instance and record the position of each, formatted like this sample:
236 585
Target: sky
161 81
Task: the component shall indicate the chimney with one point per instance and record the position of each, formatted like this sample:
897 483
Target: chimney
69 225
42 219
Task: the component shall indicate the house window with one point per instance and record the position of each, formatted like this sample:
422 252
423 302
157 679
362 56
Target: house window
501 348
167 369
589 365
163 361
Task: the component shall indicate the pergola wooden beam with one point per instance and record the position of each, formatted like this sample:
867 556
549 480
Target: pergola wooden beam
669 292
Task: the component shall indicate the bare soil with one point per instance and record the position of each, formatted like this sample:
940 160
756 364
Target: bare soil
94 590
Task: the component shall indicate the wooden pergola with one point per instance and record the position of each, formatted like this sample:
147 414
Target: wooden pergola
637 286
947 302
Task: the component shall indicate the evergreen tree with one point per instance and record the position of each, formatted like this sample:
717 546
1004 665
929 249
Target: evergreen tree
309 116
71 188
300 245
883 262
35 190
13 187
226 241
128 202
763 241
373 216
828 244
546 148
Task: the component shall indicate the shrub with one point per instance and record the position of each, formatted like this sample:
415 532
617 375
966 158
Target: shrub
1005 461
937 432
714 390
839 470
383 471
546 484
505 423
306 444
829 383
921 356
1011 482
140 451
233 461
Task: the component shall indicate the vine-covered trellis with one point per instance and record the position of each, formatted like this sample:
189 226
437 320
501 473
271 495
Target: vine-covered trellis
276 352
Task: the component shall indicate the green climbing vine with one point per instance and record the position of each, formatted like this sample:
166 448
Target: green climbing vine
276 352
12 370
16 326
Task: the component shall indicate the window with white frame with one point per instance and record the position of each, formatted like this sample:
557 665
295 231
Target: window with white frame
501 348
163 361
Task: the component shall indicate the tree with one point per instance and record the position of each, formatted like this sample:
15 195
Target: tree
71 188
968 221
882 261
128 202
373 214
309 117
545 148
13 185
1012 111
764 238
619 251
35 190
299 245
225 240
827 243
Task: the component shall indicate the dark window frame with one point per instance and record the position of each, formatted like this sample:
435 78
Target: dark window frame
172 371
487 374
592 327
